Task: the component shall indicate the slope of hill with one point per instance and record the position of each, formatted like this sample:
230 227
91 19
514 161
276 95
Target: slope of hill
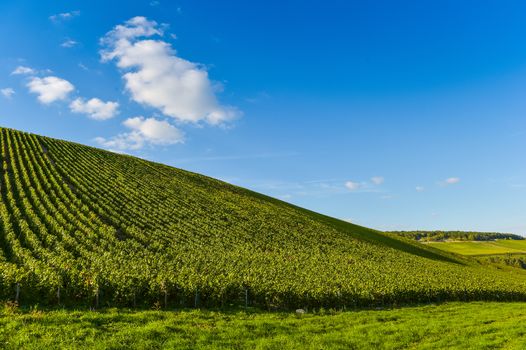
80 224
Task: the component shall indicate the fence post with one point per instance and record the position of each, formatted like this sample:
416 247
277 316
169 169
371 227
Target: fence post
196 300
166 298
97 299
17 294
246 298
58 294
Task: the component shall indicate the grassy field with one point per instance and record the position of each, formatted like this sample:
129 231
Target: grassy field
476 325
482 247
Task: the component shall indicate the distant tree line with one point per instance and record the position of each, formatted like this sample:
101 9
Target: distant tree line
434 236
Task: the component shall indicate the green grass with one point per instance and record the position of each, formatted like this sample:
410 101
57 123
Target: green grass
513 244
476 325
482 247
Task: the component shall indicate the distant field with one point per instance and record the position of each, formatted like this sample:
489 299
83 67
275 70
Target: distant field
478 325
482 247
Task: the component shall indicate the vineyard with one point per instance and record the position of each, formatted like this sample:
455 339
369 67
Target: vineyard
82 225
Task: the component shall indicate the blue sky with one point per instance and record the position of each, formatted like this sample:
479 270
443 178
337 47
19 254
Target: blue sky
394 115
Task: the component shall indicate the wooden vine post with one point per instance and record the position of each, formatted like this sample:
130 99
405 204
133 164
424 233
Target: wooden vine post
17 292
246 297
196 299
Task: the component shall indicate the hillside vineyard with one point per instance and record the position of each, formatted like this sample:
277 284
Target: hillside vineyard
82 225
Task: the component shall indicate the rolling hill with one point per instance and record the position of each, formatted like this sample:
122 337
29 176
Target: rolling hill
83 225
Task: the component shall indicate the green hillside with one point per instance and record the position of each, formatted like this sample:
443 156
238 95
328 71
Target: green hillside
83 225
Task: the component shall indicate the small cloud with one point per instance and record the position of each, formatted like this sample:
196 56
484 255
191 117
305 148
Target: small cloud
64 16
144 131
7 92
419 188
95 108
352 186
173 36
50 89
261 96
237 157
377 180
154 3
82 66
69 43
179 10
451 181
22 70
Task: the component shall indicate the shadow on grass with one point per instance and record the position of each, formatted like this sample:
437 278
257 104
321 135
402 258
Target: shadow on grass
234 311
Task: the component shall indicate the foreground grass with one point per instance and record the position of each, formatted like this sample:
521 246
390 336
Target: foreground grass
476 325
500 246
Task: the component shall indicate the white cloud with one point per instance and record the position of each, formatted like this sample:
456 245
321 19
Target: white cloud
95 108
377 180
156 131
20 70
50 89
451 180
64 16
69 43
144 131
419 189
352 186
7 92
155 76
